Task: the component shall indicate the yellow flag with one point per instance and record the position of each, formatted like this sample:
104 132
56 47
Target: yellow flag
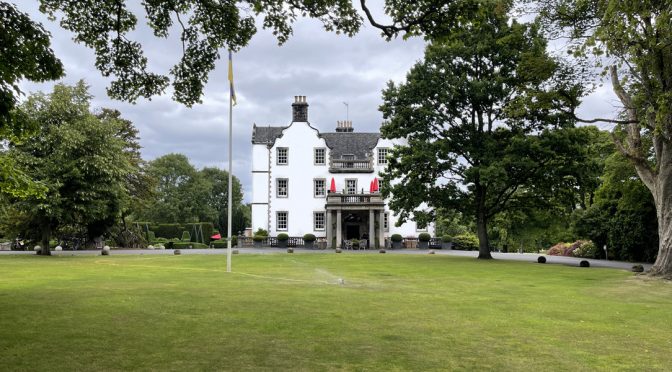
232 91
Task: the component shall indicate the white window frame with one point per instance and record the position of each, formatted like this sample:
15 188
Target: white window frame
278 188
347 190
324 188
324 221
324 156
277 220
382 160
278 156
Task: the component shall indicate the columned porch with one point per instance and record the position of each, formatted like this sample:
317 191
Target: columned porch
355 216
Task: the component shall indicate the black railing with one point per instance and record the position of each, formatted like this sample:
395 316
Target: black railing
292 241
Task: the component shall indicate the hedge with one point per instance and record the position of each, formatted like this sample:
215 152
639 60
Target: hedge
424 237
221 243
175 230
186 245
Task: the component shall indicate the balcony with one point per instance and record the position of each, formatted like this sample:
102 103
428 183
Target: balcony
351 166
354 201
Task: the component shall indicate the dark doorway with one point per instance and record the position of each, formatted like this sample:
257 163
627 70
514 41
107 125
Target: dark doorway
352 232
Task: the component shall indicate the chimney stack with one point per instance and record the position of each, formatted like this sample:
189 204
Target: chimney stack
344 126
299 109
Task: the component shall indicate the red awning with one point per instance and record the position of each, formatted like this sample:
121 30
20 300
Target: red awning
216 237
333 185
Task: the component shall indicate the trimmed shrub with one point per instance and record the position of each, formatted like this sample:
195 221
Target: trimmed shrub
424 237
541 259
187 245
168 230
283 237
396 238
186 237
221 243
309 237
466 242
446 238
259 238
261 232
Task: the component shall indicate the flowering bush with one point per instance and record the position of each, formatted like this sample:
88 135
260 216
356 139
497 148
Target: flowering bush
557 249
580 248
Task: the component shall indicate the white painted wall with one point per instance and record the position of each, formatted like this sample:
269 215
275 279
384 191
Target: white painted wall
301 140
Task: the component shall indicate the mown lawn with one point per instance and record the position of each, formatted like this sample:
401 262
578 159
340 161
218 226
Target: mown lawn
289 312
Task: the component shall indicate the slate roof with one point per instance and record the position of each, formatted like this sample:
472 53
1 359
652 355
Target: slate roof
266 134
345 143
340 143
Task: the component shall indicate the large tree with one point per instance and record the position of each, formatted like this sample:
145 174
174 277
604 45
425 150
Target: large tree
476 113
81 159
632 40
219 199
182 194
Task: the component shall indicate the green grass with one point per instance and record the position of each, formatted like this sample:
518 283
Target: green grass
287 312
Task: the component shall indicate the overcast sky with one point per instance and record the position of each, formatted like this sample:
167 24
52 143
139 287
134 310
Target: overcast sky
327 68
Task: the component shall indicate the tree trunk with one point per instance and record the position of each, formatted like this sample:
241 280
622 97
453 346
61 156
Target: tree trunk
663 198
482 225
46 236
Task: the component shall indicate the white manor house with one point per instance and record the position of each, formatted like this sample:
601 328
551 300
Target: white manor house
292 171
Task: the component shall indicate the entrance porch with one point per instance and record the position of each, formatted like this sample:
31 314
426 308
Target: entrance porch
355 216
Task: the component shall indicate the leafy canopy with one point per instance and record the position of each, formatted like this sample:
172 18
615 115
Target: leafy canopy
476 113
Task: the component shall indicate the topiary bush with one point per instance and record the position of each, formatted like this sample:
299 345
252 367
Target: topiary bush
167 230
261 232
309 237
466 242
446 238
258 238
283 237
396 238
424 237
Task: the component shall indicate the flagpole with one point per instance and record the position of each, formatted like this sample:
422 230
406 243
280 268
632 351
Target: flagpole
228 227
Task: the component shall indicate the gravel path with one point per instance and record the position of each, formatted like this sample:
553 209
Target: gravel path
525 257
